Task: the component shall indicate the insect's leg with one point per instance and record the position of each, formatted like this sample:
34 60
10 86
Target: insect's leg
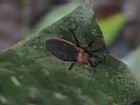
71 66
74 36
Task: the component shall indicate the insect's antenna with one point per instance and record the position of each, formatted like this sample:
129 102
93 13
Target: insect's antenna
76 40
71 66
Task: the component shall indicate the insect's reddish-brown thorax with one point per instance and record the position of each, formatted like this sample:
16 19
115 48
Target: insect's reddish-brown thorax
83 57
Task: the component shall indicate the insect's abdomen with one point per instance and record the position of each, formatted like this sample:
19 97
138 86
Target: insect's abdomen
62 49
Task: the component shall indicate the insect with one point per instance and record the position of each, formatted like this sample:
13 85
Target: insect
69 52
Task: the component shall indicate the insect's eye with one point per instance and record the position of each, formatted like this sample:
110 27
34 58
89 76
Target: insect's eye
135 103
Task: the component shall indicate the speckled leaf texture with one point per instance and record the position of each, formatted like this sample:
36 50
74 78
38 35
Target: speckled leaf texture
29 76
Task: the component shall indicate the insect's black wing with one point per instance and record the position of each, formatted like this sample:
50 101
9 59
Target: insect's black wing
62 49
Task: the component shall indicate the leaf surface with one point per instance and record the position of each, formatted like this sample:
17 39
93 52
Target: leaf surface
28 76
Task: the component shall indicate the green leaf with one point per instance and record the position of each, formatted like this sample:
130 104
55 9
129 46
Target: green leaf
134 60
28 76
57 14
